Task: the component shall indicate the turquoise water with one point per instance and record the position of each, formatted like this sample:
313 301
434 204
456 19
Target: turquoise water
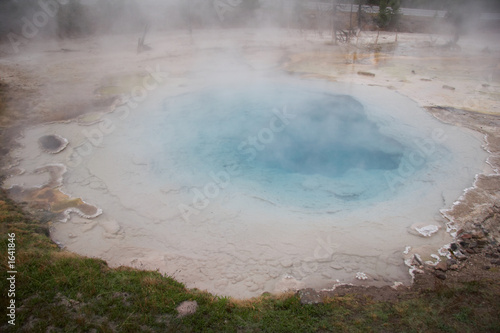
299 147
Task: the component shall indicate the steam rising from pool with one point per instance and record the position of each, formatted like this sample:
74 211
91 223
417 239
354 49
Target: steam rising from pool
301 148
247 188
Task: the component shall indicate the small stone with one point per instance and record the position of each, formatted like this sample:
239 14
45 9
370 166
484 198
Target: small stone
440 275
448 87
495 262
442 266
416 259
453 246
459 255
454 267
187 308
486 267
466 236
310 296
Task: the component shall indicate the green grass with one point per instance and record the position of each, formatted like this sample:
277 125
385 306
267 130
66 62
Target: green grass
68 293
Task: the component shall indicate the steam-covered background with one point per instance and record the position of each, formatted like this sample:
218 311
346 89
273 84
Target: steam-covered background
76 18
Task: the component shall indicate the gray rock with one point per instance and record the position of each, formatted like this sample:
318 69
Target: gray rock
187 308
459 255
310 296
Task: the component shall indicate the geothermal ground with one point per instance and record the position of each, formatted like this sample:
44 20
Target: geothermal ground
69 100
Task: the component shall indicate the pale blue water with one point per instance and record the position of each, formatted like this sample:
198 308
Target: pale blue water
289 146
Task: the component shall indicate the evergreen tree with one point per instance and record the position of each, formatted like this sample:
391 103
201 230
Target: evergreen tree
388 13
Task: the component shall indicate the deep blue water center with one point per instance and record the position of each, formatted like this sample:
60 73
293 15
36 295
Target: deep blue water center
329 136
284 143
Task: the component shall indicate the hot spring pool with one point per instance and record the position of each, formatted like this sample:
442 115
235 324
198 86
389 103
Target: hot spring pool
289 147
245 188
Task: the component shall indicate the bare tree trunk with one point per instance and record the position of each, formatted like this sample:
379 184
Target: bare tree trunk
350 15
141 45
334 28
360 3
318 20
